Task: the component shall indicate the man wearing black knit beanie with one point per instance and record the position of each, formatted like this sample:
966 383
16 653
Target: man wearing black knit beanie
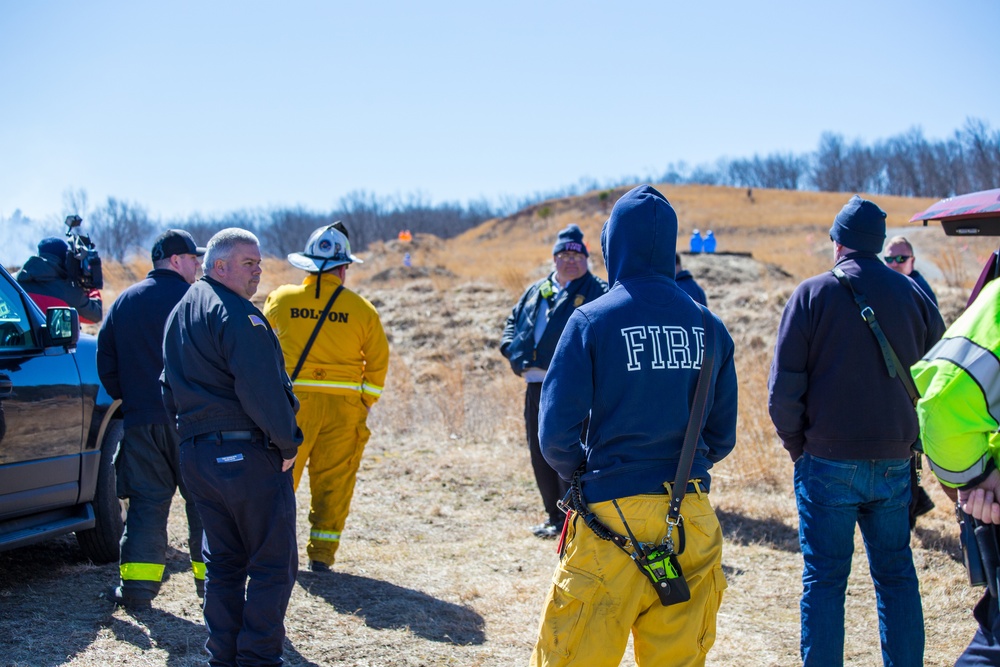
849 426
529 339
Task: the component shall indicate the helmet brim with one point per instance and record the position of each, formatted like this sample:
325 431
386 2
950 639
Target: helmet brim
317 264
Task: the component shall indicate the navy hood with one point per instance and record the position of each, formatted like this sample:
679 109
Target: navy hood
640 237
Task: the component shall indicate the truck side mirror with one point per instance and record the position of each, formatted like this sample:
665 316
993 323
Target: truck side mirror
62 327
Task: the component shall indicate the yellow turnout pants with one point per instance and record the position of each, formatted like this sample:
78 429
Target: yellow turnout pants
335 435
598 594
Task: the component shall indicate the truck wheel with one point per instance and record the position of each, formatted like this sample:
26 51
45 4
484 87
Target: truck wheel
102 543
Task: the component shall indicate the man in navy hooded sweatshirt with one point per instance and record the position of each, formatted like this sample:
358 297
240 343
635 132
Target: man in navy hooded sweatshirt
849 427
630 360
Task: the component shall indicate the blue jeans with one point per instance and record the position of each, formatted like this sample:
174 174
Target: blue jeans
833 496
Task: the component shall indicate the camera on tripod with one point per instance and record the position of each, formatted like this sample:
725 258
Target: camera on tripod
83 264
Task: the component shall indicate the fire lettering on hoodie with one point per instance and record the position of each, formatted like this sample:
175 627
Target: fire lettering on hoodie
667 347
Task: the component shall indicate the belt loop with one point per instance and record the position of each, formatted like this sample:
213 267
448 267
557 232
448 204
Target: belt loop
667 486
697 487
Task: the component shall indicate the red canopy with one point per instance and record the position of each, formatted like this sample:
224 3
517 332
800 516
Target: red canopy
985 204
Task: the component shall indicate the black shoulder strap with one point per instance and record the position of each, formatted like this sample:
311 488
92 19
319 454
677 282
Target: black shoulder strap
694 420
892 362
319 325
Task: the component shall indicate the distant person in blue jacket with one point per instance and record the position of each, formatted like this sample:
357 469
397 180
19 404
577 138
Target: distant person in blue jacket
710 242
696 243
630 360
899 257
687 283
529 337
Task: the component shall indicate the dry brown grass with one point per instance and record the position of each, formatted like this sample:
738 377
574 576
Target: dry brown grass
437 567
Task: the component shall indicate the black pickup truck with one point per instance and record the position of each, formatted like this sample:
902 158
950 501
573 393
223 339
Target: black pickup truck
59 431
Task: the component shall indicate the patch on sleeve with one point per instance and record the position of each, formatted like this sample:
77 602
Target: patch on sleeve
256 321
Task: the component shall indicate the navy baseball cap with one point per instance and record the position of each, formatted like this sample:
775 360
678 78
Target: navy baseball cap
175 242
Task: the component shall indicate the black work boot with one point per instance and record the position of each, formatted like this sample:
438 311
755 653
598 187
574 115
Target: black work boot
114 594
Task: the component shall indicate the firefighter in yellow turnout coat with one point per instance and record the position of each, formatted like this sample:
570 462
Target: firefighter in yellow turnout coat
340 376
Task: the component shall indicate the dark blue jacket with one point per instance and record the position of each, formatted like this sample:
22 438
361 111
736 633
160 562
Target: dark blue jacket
223 369
687 283
130 345
830 392
919 280
518 340
630 360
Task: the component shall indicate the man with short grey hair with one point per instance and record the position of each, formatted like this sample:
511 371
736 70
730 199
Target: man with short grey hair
225 384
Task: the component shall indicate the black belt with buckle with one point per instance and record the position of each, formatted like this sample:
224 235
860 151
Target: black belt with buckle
692 487
228 435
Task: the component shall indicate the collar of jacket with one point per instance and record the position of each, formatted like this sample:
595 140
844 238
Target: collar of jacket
317 280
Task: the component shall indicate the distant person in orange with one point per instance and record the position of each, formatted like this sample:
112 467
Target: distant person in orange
529 338
899 257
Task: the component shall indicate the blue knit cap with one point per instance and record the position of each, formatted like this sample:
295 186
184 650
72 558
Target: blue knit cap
860 225
570 239
55 246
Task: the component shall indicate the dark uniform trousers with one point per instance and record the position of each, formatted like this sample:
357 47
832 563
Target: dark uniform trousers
247 506
550 484
984 650
148 473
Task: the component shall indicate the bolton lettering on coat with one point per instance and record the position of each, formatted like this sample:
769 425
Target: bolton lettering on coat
314 313
663 347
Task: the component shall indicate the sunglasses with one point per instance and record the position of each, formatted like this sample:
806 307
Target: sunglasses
896 259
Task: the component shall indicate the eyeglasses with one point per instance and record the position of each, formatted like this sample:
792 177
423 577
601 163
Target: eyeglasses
570 257
896 259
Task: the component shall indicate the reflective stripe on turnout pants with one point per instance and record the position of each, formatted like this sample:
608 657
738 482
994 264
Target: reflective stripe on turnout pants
335 434
148 473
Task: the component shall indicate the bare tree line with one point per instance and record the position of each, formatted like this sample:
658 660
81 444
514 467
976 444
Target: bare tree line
908 164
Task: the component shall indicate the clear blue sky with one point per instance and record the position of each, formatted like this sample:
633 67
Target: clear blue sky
217 105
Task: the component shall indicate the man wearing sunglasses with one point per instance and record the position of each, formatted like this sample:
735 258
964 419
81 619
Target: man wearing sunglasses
899 257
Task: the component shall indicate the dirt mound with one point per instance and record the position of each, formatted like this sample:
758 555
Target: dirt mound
731 268
410 273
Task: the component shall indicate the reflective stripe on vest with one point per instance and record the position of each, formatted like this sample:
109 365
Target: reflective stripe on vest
979 363
961 477
141 571
323 536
